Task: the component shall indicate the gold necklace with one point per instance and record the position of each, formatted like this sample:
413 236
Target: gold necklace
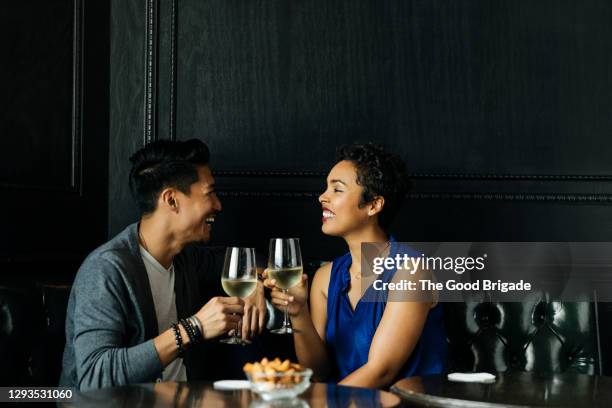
357 276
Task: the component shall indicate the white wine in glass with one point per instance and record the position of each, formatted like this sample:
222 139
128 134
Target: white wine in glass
239 278
285 265
239 287
286 278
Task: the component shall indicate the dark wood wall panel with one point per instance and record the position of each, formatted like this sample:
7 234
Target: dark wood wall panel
453 86
143 91
493 105
128 68
53 135
36 99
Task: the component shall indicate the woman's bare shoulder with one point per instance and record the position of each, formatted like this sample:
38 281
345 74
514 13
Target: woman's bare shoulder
320 282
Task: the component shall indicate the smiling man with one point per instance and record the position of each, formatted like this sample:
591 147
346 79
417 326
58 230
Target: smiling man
136 311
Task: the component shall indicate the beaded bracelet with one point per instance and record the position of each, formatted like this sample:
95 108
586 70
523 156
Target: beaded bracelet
178 339
190 330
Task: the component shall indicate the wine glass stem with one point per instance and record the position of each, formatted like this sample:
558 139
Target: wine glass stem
237 333
286 321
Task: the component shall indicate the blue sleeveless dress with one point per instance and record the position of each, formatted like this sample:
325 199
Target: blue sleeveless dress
348 333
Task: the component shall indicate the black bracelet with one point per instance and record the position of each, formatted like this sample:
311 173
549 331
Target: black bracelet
196 327
190 330
196 330
199 326
178 339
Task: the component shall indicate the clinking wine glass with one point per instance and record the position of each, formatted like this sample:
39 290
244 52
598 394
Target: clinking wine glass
239 278
285 266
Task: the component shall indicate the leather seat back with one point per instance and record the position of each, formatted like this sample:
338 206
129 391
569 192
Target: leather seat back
535 335
20 323
32 319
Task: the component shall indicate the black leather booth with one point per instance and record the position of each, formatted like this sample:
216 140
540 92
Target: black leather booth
32 333
536 335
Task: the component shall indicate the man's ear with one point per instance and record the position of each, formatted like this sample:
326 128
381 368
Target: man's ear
168 199
376 205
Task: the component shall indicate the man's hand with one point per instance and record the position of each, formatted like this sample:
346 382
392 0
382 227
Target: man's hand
254 319
220 315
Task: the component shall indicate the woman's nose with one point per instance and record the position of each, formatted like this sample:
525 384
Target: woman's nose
323 198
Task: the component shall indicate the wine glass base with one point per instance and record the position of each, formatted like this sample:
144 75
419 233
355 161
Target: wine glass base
285 330
235 340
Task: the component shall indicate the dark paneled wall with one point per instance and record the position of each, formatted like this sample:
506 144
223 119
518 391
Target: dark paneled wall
53 135
453 86
486 102
500 109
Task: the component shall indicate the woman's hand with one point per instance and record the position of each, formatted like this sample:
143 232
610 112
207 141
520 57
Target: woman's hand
295 300
254 320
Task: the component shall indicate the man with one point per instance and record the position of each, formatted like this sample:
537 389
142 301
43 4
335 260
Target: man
136 303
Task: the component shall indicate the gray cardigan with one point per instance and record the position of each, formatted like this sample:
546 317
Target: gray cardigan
111 320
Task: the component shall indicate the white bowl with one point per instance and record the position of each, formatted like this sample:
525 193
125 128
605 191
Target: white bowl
280 385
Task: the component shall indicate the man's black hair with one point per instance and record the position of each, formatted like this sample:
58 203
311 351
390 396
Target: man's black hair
162 164
380 173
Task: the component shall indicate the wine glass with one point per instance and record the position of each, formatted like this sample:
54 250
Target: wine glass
285 266
239 278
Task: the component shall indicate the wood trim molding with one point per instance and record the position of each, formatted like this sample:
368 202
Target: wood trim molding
429 186
173 67
440 176
76 162
151 55
560 197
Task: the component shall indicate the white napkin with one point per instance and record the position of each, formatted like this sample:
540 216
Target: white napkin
472 377
231 385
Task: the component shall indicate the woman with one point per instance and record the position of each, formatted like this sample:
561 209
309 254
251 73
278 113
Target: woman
366 344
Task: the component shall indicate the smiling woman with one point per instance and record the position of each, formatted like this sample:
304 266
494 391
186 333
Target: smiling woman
342 337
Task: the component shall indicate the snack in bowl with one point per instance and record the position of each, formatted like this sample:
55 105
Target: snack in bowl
274 379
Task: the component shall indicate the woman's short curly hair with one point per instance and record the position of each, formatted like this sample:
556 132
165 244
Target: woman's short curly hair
380 173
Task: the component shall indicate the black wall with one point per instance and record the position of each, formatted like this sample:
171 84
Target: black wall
501 110
53 135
